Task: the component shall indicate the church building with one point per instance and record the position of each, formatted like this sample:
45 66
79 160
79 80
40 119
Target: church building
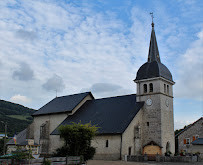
133 124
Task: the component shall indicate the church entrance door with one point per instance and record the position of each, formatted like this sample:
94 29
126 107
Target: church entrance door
152 150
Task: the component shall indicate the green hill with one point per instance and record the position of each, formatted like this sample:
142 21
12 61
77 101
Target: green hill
17 116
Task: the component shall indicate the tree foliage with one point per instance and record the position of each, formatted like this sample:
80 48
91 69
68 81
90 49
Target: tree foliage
15 125
77 140
2 145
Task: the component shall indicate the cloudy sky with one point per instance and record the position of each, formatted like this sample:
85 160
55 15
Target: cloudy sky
98 45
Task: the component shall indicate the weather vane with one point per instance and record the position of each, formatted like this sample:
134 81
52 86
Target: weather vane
152 16
56 92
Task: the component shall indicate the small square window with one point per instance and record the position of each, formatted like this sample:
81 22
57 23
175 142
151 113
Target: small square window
187 140
107 143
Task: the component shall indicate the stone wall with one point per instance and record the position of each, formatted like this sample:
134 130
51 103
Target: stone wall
158 121
131 138
194 130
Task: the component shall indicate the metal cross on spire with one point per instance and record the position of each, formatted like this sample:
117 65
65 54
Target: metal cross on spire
152 15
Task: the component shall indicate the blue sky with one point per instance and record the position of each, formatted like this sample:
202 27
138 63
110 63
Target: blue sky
98 46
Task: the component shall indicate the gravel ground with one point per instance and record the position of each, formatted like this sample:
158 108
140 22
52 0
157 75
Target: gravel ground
101 162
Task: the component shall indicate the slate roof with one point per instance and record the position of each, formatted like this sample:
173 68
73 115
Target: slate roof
20 139
62 104
188 127
198 141
153 67
152 70
112 115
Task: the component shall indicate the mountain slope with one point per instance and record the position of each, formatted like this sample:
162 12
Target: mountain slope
17 117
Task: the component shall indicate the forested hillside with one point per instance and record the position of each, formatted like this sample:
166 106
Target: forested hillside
17 116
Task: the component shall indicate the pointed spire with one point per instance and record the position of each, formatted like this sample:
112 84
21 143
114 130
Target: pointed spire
153 54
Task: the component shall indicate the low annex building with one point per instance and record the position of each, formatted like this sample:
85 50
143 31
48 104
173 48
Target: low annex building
190 139
133 124
23 143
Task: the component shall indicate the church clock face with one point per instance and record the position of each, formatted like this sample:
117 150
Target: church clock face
149 102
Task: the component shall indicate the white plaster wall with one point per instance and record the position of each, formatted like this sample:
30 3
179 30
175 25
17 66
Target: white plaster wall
54 119
11 148
128 137
112 152
56 142
196 148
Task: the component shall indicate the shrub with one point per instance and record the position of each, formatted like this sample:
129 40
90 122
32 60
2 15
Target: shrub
77 138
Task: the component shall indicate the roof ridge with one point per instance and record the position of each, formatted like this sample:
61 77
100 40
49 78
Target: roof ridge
115 96
190 125
74 94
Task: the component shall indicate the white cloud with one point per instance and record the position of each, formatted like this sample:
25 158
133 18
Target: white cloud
55 83
81 45
20 99
190 70
25 73
106 90
179 124
26 35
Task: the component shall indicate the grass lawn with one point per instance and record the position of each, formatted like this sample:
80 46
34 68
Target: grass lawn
20 117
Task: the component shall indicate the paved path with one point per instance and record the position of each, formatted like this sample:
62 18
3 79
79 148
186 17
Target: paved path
101 162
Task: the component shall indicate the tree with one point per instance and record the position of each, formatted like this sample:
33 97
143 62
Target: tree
1 146
77 140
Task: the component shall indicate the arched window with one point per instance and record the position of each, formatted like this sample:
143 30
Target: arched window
145 88
107 143
164 88
167 89
129 150
137 132
150 87
168 147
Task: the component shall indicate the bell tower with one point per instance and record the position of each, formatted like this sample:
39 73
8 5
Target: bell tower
155 88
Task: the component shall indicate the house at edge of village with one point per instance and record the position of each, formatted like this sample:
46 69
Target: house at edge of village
133 124
23 143
190 139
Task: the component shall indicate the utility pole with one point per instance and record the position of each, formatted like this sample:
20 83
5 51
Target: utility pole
5 123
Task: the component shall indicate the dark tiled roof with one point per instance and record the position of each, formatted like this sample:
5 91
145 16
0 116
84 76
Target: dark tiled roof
20 139
62 104
112 115
199 141
153 68
153 54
